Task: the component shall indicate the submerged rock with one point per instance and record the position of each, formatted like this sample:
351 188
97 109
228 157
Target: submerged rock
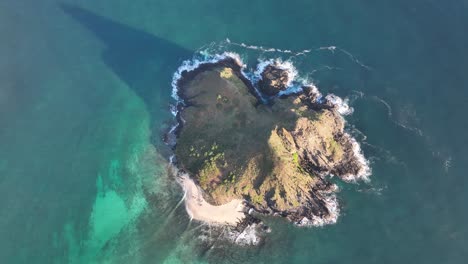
273 156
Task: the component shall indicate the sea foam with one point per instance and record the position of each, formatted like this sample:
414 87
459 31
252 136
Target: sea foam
287 66
249 236
341 105
364 168
332 205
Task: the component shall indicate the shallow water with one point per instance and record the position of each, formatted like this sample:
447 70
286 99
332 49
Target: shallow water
85 94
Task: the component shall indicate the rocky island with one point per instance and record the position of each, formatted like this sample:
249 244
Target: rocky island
271 155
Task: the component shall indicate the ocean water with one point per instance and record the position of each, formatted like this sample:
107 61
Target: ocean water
85 95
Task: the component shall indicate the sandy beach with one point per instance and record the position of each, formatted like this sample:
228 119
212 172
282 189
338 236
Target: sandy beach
230 213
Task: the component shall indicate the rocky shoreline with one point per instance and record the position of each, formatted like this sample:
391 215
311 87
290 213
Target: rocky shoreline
300 152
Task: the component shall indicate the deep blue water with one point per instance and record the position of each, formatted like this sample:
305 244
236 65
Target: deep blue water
85 90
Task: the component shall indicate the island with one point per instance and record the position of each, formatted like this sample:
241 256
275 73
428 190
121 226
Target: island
245 146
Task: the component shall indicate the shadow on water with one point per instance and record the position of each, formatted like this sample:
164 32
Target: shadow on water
143 61
146 64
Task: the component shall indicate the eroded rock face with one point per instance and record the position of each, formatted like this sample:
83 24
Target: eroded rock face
273 156
274 80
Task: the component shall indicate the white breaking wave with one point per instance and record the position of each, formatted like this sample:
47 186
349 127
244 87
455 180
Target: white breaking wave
173 108
294 89
249 236
310 84
341 105
364 168
295 83
332 205
287 66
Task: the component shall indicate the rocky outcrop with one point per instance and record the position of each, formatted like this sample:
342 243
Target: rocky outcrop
273 80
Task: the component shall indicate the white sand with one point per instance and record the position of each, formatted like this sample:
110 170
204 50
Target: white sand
230 213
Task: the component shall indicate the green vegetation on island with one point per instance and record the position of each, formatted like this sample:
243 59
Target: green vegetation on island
273 156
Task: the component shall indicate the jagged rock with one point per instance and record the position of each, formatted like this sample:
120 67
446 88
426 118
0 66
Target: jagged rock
274 80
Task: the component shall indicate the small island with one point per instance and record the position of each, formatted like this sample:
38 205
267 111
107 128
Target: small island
246 146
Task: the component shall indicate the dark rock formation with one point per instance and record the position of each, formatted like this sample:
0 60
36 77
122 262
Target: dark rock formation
274 80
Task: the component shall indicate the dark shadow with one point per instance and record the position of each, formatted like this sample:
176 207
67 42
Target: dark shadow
144 61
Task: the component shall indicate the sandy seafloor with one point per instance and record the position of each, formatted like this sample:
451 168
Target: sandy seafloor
85 94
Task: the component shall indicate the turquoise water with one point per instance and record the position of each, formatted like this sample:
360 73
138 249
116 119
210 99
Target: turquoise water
84 100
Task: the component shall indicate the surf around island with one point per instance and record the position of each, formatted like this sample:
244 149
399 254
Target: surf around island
260 140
